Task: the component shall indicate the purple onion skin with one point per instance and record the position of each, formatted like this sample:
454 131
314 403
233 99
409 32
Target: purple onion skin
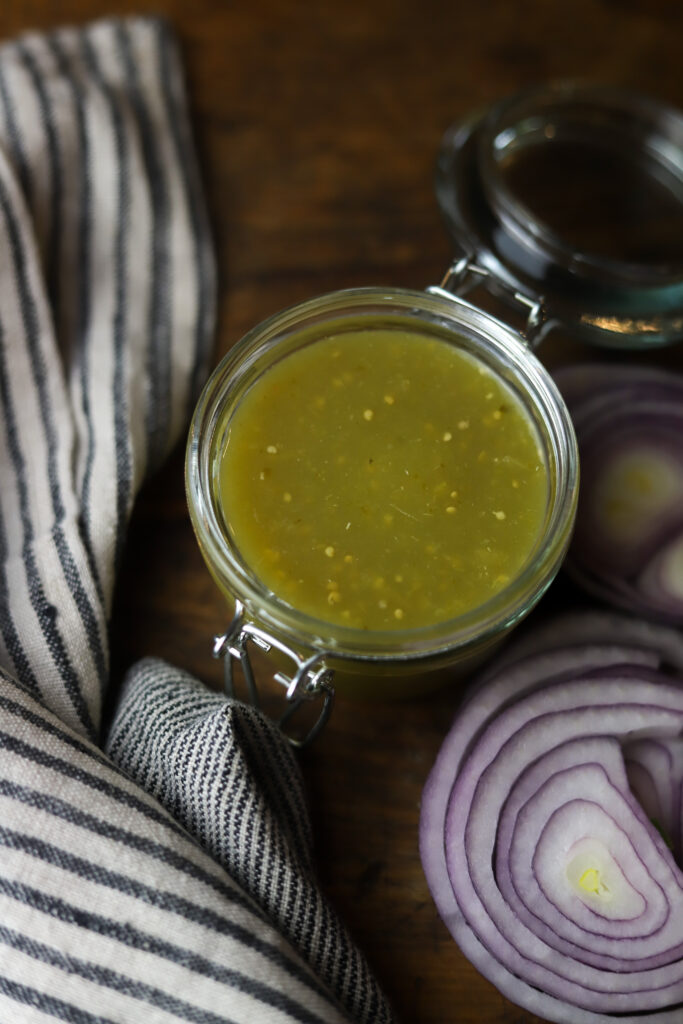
542 863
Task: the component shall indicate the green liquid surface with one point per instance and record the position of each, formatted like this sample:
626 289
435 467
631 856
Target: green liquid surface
381 479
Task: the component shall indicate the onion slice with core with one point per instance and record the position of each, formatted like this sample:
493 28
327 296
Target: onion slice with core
538 833
627 547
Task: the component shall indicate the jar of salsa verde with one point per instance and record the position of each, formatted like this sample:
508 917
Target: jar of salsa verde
383 482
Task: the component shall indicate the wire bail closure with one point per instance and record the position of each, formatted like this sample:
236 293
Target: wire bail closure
464 275
311 680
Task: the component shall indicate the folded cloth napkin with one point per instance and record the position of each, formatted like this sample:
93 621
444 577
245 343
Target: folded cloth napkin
170 878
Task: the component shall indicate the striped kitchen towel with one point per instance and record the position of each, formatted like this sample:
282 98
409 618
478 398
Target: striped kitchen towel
169 877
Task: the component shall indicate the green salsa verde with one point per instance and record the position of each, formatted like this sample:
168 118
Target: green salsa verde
381 479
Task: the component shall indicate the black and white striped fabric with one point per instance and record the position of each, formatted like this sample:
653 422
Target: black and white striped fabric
169 877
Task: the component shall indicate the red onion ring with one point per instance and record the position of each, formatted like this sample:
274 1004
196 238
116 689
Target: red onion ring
627 548
546 869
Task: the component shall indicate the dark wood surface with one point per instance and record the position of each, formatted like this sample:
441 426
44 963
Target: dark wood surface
317 126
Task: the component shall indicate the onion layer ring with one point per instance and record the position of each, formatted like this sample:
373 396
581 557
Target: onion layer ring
553 878
627 547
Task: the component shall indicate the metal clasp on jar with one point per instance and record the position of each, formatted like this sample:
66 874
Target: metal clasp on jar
464 275
311 680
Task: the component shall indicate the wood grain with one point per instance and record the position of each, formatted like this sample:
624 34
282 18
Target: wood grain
317 127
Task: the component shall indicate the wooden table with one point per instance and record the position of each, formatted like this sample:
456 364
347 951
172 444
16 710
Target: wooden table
317 126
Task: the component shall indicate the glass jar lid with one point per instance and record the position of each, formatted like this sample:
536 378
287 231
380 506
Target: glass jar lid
572 196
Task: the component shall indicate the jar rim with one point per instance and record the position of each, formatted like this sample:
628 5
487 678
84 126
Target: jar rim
602 299
505 352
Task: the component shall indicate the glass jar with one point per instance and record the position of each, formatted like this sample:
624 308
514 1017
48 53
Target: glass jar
572 195
367 662
505 245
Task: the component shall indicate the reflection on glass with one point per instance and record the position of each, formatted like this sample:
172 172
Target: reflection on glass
603 201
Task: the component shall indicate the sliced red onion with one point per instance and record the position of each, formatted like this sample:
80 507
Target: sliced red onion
633 640
628 541
655 773
582 381
547 870
661 581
